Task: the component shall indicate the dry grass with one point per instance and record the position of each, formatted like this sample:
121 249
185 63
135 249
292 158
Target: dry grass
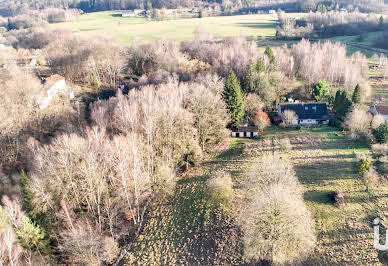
181 231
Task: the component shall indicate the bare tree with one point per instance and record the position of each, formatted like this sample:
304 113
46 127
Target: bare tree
289 118
377 121
210 115
383 66
358 121
277 227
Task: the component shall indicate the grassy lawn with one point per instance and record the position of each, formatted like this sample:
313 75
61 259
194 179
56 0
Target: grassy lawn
124 30
180 230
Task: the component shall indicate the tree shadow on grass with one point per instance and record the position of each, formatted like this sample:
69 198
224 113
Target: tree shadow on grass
183 231
257 25
235 150
319 171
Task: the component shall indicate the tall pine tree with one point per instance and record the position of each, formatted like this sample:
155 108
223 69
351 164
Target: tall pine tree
342 103
356 97
234 98
247 81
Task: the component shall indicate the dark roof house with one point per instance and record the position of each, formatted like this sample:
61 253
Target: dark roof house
308 113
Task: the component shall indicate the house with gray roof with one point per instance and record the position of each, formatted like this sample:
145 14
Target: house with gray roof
308 113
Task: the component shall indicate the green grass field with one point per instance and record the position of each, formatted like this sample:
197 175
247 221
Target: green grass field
124 30
179 230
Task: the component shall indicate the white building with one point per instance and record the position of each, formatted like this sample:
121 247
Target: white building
245 132
52 86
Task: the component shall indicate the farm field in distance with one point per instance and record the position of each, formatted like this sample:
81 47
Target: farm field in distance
124 30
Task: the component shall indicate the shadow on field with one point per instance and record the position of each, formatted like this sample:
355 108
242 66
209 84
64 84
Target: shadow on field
323 170
258 25
184 231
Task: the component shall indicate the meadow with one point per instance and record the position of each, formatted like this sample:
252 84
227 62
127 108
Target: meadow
125 29
179 229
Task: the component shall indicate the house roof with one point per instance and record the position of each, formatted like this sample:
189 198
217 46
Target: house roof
245 129
50 81
382 109
307 110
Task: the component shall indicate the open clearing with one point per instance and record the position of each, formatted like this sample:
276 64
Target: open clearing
180 231
125 29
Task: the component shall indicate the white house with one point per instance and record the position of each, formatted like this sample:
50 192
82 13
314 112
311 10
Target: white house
128 13
51 86
308 113
380 110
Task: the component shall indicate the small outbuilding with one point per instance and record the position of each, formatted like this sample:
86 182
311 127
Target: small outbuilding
380 110
245 132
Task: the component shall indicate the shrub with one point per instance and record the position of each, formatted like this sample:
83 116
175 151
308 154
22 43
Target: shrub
262 120
381 133
363 166
96 83
377 121
334 122
285 144
338 198
271 169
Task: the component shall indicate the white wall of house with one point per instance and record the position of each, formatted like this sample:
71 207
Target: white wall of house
247 134
308 122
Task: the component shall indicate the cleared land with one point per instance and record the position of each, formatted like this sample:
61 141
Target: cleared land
180 230
125 29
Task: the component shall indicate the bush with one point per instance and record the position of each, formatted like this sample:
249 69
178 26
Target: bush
334 122
338 198
96 83
285 144
381 133
363 166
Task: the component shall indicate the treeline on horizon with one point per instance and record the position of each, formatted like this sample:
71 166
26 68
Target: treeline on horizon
12 8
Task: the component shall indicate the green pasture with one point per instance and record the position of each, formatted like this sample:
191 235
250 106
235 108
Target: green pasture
125 29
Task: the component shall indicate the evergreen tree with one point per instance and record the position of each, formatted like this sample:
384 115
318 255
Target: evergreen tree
268 51
381 23
321 90
260 67
234 98
248 79
322 9
342 103
381 133
356 97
